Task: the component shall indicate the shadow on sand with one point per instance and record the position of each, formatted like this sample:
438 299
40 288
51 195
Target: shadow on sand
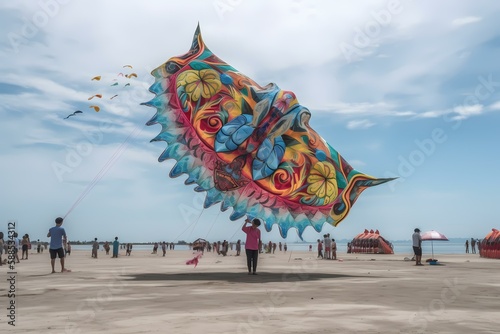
262 277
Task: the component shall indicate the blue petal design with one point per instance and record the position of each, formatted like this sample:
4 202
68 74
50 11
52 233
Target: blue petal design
205 180
230 200
156 88
173 151
268 158
182 166
156 102
237 215
226 79
194 175
320 155
165 136
214 196
233 134
269 221
199 65
181 92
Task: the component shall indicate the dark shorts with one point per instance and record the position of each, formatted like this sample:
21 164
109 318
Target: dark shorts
56 252
25 247
417 251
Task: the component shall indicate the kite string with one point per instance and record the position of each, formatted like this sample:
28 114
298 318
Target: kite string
213 224
187 228
237 230
194 227
100 174
107 166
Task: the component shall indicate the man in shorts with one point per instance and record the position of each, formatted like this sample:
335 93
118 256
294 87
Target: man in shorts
57 236
417 247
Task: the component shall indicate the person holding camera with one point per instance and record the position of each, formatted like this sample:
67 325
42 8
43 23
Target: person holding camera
252 243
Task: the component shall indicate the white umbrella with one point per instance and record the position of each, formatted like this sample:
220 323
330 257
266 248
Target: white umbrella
433 235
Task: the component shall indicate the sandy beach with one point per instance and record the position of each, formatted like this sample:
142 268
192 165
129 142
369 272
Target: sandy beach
293 293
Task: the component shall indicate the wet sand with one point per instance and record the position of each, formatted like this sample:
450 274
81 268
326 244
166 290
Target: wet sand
292 293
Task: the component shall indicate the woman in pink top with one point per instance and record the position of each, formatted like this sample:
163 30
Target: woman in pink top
252 243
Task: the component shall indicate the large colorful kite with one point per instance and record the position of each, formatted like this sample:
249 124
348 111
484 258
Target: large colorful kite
249 147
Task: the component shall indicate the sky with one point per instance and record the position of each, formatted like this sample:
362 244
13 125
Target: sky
401 89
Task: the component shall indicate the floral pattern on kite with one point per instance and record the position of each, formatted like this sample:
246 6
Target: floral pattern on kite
249 147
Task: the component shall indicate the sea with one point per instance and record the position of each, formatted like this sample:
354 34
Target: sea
403 247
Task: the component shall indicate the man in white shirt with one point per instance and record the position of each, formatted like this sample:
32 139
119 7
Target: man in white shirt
417 247
328 244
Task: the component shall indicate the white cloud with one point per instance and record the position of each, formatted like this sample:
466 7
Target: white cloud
433 113
467 111
365 109
495 106
462 112
466 20
360 124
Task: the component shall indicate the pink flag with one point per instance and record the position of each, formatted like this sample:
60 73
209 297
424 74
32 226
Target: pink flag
195 259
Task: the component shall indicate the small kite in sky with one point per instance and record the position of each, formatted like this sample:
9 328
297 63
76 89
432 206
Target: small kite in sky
120 74
115 84
112 97
97 78
131 75
96 108
73 114
129 66
127 84
96 95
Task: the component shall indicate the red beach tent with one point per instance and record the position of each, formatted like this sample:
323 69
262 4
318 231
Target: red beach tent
490 245
370 242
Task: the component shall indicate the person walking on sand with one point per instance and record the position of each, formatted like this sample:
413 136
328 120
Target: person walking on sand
320 249
25 246
57 236
238 247
164 248
107 247
466 246
95 248
417 247
116 244
252 243
68 248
